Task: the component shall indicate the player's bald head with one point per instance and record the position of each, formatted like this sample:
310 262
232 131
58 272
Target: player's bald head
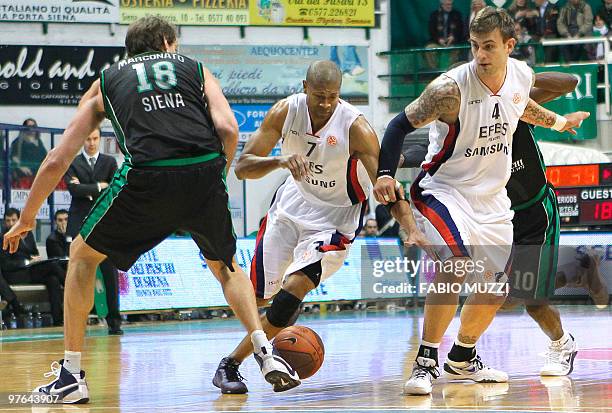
324 73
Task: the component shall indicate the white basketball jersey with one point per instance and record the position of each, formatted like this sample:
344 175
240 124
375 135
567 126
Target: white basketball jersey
475 154
337 178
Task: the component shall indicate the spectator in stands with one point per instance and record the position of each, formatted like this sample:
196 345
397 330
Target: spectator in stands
26 154
522 51
605 12
546 27
87 177
596 51
25 267
575 21
370 229
445 29
522 12
8 298
58 243
475 7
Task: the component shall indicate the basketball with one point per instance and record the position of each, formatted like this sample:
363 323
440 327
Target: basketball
302 348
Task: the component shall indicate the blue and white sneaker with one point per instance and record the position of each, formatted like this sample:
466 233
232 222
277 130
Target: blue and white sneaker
474 370
276 371
69 388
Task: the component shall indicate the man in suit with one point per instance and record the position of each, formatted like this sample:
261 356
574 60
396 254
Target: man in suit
58 242
24 266
88 175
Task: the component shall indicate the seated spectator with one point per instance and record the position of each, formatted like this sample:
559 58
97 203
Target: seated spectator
522 12
522 51
370 229
600 29
26 154
605 12
9 299
546 27
445 29
58 243
24 266
575 21
476 6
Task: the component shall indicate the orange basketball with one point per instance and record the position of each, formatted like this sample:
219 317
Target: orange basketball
302 348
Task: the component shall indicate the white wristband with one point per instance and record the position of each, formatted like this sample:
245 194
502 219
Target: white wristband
384 176
560 122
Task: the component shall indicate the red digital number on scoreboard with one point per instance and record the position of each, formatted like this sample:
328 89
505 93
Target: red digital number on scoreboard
573 175
596 212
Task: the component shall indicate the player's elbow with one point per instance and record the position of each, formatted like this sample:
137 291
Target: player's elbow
570 84
55 161
228 130
240 169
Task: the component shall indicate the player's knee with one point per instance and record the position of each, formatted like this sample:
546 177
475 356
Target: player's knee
284 309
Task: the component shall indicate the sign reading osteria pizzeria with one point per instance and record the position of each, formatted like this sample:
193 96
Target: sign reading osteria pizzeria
356 13
188 12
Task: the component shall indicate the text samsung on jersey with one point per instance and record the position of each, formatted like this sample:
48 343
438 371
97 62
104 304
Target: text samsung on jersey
317 169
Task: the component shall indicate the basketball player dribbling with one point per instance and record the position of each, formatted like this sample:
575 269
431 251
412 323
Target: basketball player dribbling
178 135
459 199
332 154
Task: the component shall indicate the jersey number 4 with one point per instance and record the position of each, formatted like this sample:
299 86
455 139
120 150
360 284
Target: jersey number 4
164 76
496 111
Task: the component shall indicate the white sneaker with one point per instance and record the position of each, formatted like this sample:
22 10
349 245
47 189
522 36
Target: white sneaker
65 388
276 371
560 358
474 370
424 372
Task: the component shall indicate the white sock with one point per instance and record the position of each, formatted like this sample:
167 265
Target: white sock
428 344
562 340
459 343
259 340
72 361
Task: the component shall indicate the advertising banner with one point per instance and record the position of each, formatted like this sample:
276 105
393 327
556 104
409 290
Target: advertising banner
175 275
352 13
264 74
60 11
51 75
188 12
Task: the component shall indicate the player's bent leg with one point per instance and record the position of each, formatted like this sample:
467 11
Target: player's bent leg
463 362
69 385
282 313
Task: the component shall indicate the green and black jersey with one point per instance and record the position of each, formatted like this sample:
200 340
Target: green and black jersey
527 183
157 106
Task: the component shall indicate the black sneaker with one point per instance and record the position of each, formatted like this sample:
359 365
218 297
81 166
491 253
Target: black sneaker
228 378
66 387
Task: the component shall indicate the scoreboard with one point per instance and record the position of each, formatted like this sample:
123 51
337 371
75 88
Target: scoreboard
584 193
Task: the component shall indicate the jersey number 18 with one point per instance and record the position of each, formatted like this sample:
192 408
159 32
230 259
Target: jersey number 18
163 75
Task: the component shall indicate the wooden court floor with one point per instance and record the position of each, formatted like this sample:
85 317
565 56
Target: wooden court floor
168 367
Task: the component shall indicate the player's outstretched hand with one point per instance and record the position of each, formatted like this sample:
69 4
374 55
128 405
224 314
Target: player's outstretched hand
297 165
574 120
12 237
384 190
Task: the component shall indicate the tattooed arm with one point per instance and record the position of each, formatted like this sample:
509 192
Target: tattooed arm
539 116
441 100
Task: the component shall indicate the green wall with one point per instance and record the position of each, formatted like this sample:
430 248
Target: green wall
409 19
